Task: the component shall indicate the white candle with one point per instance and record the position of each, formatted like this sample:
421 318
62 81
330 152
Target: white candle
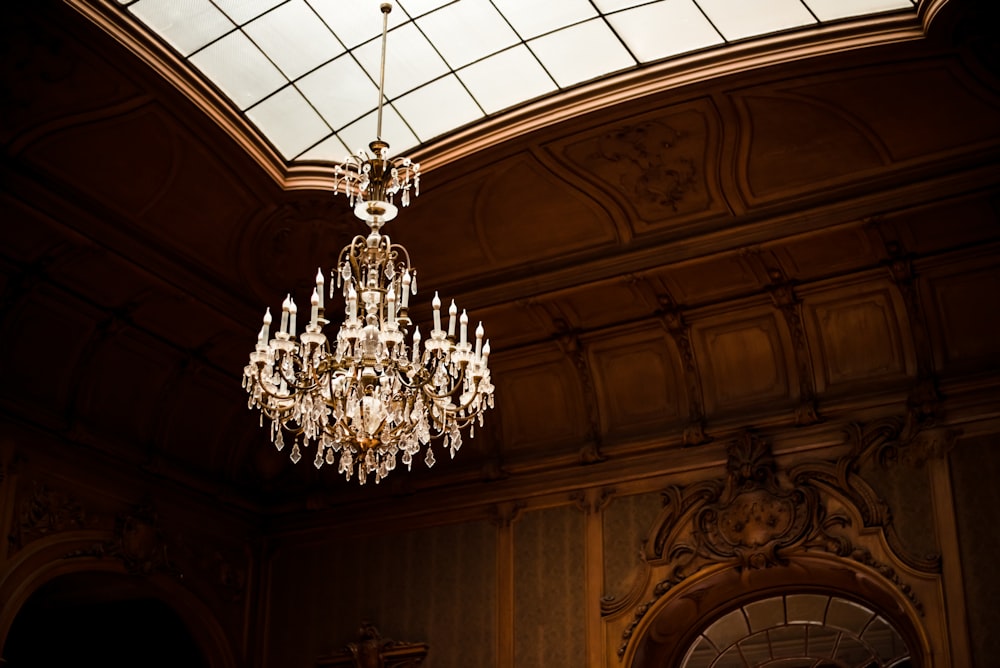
314 301
452 312
352 303
390 304
405 297
464 334
284 315
416 344
291 312
486 352
319 286
479 339
267 324
436 305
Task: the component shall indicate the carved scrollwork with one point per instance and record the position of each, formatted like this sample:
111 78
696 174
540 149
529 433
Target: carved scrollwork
138 543
44 512
760 515
370 650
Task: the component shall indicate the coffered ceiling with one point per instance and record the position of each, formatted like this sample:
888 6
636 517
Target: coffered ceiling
769 244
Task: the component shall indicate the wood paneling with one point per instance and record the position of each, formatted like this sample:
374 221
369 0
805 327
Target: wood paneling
744 361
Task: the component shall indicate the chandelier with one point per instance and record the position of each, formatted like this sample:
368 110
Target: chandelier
375 392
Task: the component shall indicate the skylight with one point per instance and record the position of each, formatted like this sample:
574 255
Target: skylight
305 72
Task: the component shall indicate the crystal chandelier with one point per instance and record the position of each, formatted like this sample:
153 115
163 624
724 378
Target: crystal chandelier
367 396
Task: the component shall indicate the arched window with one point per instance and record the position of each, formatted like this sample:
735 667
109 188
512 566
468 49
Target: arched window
799 631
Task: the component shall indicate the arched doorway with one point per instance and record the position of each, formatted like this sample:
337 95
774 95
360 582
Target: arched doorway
99 618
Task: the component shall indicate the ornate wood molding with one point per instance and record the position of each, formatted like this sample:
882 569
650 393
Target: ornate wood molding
761 515
370 650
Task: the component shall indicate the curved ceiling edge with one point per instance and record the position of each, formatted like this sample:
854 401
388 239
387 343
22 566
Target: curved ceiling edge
672 74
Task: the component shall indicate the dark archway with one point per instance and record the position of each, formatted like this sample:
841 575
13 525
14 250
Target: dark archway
108 619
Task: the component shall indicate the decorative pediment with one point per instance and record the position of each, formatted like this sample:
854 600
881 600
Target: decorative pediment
761 515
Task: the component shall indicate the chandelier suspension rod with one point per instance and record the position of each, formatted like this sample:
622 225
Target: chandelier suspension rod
386 8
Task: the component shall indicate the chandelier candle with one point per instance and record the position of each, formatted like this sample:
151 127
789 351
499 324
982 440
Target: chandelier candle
365 398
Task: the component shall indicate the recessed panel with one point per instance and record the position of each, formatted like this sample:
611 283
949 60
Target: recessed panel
539 402
742 362
857 337
964 309
637 381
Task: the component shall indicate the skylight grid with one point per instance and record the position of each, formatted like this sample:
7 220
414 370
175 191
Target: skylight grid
305 72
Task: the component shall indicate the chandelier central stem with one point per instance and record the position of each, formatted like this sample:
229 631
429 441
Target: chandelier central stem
386 8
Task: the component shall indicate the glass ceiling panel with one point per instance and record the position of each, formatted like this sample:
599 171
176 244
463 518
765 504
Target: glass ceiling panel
531 19
581 52
411 61
186 25
242 11
239 69
294 38
438 107
291 123
484 31
507 78
738 19
829 10
306 71
662 29
341 91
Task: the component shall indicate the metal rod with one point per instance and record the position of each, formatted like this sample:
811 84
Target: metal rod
386 8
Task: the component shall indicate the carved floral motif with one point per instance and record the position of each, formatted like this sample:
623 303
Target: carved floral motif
648 167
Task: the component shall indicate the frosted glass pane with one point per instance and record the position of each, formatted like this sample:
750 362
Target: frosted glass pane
737 19
341 91
506 79
664 29
294 38
242 11
582 52
356 22
417 8
289 122
532 18
359 134
187 25
239 69
467 31
828 10
607 6
438 107
411 61
330 149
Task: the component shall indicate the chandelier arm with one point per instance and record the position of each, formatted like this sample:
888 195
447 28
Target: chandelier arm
291 383
263 386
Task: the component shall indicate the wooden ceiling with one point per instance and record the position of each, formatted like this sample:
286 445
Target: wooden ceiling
769 247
